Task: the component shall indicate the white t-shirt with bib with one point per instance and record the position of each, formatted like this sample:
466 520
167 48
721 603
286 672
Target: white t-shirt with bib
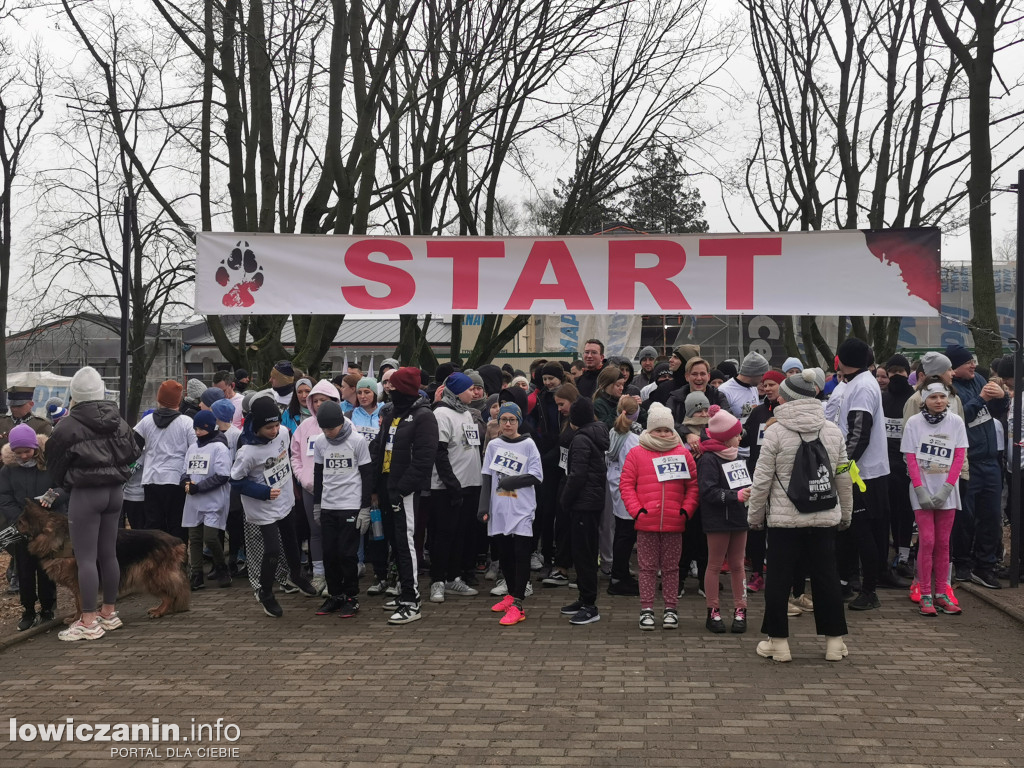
343 485
862 393
512 512
933 446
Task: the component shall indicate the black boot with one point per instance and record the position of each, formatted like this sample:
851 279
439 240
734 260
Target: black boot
28 619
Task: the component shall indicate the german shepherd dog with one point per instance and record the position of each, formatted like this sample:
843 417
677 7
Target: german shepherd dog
150 561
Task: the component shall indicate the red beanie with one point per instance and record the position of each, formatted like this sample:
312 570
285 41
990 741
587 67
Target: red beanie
722 425
169 394
406 380
776 376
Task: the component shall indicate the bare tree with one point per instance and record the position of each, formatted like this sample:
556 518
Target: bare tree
22 80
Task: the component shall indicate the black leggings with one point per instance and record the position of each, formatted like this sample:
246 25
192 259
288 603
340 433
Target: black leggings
272 544
514 556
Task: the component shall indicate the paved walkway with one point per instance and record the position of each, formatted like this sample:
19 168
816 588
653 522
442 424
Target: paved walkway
456 689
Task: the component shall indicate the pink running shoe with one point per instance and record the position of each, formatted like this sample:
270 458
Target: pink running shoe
755 583
504 605
943 603
915 592
951 596
926 607
512 616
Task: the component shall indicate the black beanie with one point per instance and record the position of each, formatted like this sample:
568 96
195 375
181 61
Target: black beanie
729 369
581 412
553 369
329 415
263 411
900 362
958 355
854 353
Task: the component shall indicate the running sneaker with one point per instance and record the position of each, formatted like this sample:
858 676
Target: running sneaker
943 603
536 561
647 620
513 615
437 592
793 610
587 614
915 592
458 587
714 621
305 586
405 614
499 589
319 584
805 603
670 619
925 607
529 590
950 594
377 588
393 590
349 609
739 621
492 570
271 607
571 609
80 631
330 605
755 583
111 622
503 605
555 579
288 587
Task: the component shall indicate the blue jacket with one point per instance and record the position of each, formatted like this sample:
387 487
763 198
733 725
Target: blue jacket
981 431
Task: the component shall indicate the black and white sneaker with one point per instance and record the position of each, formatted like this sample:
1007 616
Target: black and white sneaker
288 587
571 609
986 577
349 609
305 586
588 614
270 605
405 614
330 605
555 579
647 620
377 588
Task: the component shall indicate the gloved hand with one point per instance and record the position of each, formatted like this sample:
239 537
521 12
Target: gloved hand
942 495
683 513
363 520
641 512
316 513
923 497
844 524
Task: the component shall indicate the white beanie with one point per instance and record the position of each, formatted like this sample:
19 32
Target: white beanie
659 416
86 385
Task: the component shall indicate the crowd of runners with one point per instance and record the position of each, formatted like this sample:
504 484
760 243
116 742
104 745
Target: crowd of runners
874 476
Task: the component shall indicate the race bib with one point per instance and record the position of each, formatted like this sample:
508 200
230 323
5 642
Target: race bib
310 443
472 434
894 429
508 462
563 459
198 464
671 468
736 474
745 410
760 433
339 463
390 445
982 417
368 433
936 450
279 472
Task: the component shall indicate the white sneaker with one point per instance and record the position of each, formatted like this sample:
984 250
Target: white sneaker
500 589
529 589
80 631
437 592
377 588
647 620
361 569
536 561
319 584
393 590
492 570
457 587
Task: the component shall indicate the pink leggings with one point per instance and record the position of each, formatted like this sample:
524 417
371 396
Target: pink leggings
729 546
659 551
933 528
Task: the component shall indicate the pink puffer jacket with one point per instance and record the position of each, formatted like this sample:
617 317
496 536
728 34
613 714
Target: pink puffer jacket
302 459
641 489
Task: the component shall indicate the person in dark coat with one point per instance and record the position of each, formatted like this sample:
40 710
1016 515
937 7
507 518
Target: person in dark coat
583 496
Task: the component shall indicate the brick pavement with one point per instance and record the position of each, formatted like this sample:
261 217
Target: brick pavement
456 689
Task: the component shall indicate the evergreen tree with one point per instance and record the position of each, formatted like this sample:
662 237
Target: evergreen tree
661 200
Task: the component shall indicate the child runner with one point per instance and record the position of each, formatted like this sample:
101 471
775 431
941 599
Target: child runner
659 490
935 444
207 497
508 501
223 411
623 436
724 490
342 480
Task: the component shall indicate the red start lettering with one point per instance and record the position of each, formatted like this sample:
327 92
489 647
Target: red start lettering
739 255
568 286
401 285
465 256
624 274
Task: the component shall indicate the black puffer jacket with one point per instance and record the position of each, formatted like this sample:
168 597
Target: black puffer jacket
413 452
720 507
92 447
586 477
18 483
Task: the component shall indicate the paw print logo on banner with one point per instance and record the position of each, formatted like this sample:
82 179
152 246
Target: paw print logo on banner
240 270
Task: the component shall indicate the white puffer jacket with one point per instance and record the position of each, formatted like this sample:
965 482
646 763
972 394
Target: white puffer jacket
796 420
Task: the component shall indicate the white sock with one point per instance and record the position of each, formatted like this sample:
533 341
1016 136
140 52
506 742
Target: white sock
904 554
318 567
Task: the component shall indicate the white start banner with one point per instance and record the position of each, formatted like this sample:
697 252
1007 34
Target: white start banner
863 272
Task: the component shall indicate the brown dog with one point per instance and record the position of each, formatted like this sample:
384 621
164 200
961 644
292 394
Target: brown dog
150 561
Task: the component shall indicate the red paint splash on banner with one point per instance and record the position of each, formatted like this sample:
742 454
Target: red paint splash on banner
917 254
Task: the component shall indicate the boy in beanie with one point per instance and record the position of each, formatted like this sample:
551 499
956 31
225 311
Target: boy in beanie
583 498
224 411
282 381
262 474
166 436
511 473
24 476
403 455
862 422
454 487
741 390
342 481
204 477
901 514
724 489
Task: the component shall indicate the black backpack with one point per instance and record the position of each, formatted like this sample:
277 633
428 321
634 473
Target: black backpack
812 484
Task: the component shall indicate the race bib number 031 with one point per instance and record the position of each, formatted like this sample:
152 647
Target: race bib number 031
736 474
671 468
